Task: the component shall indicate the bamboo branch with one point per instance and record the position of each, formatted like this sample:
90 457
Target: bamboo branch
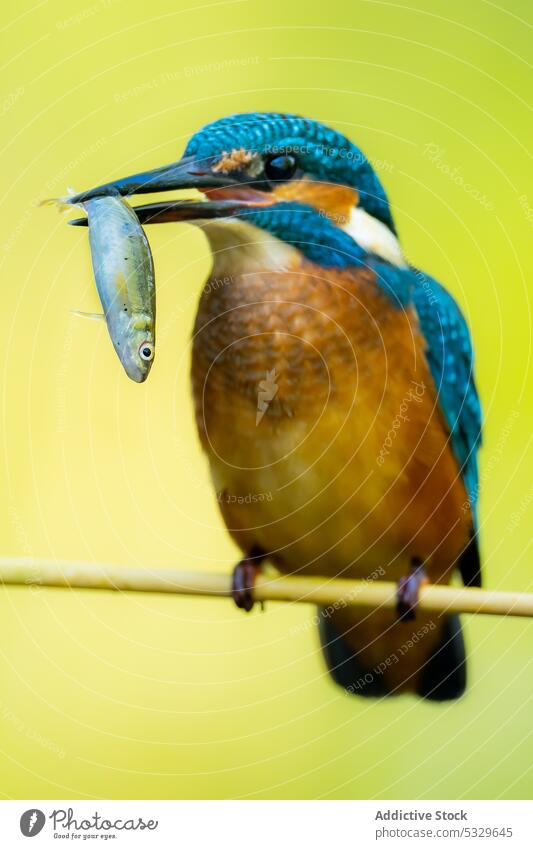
310 590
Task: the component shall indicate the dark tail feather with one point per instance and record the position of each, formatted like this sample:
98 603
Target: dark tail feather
470 562
343 662
440 677
443 676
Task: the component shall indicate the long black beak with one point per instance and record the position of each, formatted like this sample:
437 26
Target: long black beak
187 173
187 210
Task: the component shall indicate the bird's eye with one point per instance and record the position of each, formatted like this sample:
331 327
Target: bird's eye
280 167
146 351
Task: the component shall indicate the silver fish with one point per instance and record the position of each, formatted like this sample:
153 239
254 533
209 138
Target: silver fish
124 275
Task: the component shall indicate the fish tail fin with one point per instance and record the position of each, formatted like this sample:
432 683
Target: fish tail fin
63 203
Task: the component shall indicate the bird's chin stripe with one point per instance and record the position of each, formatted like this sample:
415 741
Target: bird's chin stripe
239 247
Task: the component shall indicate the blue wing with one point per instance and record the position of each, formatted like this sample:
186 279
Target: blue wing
451 361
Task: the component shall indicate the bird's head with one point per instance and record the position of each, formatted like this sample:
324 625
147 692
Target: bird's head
258 162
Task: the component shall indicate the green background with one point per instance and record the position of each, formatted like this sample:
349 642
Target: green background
149 697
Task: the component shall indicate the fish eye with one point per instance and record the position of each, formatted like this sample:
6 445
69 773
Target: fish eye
146 351
280 167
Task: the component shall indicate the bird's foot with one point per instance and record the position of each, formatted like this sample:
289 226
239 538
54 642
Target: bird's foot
243 579
408 590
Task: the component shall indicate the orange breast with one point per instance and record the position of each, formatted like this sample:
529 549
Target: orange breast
317 411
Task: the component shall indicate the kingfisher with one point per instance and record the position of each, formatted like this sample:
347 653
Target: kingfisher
334 390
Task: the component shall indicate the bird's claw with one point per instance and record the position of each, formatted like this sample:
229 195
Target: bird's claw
408 591
243 581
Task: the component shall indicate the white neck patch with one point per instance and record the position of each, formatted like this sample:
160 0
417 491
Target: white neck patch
374 236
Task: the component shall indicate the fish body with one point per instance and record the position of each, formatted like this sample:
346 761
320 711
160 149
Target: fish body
124 275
